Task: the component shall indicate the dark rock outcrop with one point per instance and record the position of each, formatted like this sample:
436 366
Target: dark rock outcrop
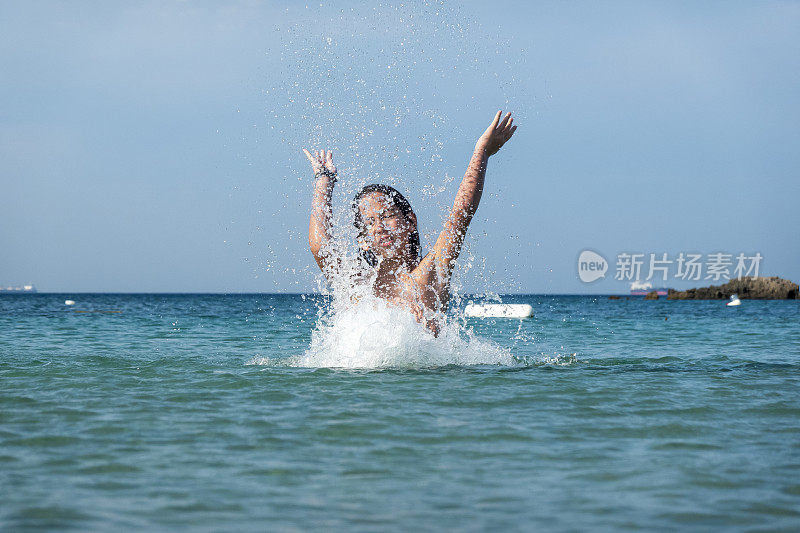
773 288
652 295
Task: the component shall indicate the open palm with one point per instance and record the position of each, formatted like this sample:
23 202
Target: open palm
497 134
321 161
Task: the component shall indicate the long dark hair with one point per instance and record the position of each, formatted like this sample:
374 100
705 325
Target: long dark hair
397 200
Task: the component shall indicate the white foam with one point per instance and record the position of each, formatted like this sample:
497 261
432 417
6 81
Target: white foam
374 334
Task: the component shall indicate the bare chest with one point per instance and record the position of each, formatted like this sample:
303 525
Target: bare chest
422 301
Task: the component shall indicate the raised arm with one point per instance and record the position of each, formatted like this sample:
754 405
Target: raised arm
448 245
319 227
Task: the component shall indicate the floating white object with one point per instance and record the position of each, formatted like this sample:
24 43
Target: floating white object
499 310
69 302
734 300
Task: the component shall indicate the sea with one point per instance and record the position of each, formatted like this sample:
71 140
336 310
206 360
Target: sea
271 412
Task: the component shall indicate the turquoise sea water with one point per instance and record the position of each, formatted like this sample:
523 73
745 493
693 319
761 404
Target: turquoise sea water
166 412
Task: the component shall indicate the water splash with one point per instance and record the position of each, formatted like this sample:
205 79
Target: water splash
390 112
374 334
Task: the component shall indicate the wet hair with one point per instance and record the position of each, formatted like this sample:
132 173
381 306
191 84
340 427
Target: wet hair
397 200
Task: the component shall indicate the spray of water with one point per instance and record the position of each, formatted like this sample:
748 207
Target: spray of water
371 84
372 334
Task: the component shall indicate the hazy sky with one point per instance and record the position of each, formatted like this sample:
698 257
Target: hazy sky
155 146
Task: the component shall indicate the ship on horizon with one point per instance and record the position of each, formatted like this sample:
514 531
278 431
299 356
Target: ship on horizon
24 288
644 288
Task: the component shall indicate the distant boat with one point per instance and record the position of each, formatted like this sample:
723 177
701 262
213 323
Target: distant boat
734 300
643 289
25 289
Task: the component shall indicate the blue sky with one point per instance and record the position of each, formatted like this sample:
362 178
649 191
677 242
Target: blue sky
155 146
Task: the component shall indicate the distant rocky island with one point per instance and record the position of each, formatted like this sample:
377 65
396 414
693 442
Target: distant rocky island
773 288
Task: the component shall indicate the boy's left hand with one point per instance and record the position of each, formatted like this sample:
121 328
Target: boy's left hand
497 134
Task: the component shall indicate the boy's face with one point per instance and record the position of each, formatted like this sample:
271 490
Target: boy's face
386 229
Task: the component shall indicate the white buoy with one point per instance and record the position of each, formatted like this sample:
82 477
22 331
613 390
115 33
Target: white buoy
498 310
734 300
69 302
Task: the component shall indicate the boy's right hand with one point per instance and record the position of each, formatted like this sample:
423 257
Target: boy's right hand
321 161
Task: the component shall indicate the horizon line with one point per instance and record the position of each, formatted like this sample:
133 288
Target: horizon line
235 293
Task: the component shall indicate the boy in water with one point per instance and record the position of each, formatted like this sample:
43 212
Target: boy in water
388 234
